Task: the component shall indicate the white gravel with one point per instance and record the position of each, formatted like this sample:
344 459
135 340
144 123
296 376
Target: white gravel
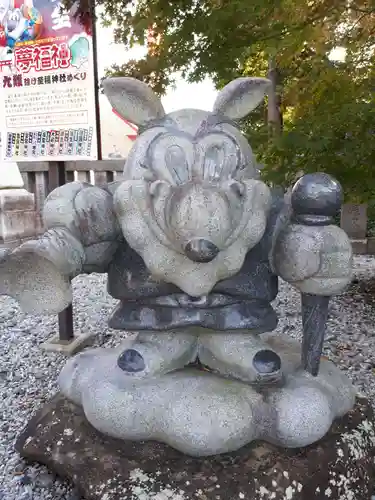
28 375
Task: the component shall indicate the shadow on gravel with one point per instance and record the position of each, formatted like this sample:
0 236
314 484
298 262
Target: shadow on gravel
362 289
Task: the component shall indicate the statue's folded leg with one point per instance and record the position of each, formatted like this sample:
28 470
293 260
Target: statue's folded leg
242 355
158 353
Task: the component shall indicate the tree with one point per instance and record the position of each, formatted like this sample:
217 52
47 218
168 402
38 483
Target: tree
327 112
331 128
217 37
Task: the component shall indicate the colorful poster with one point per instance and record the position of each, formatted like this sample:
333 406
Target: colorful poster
47 84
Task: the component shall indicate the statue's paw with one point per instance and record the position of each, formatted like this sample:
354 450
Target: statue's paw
138 359
154 354
267 365
315 259
77 371
241 356
141 362
35 282
131 361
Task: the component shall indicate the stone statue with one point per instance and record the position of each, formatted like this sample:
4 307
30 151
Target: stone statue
193 243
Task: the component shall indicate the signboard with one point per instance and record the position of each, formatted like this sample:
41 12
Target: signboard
47 83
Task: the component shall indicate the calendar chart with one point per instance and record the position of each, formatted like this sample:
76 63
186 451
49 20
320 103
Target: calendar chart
49 143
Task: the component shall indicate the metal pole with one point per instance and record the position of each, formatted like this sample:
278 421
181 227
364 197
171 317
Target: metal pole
314 321
96 79
57 178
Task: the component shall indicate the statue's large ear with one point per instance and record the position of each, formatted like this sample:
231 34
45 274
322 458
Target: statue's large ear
133 100
241 96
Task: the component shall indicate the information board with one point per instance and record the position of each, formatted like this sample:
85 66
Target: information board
47 83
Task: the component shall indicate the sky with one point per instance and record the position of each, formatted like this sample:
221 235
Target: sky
113 130
189 95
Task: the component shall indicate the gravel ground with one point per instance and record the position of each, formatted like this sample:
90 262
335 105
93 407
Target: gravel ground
28 375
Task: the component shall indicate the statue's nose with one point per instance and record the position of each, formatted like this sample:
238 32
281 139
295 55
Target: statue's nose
201 250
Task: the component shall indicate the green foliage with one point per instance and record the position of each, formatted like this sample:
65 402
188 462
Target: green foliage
217 37
328 108
331 128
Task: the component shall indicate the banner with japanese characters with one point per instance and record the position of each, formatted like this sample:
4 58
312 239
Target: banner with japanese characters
47 82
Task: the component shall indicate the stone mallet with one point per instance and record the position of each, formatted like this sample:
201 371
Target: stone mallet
316 199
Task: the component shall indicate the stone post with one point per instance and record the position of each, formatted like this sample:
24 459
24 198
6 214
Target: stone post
17 207
354 223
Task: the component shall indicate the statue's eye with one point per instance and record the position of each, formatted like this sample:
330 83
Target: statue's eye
219 156
171 156
213 162
176 163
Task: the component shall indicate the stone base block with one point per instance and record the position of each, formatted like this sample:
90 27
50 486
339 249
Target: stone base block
17 215
371 246
359 247
10 176
339 466
69 348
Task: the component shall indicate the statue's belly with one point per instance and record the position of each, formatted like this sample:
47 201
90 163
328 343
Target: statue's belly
215 311
241 302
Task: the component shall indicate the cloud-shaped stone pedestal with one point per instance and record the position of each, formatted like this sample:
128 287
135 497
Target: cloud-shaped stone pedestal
201 413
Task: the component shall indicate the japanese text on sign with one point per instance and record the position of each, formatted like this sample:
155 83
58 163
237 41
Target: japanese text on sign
42 58
47 83
18 81
41 107
42 143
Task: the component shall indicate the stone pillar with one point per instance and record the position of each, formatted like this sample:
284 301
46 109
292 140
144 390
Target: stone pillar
354 220
17 207
354 223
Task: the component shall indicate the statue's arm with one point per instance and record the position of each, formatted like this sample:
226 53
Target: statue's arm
308 250
81 236
280 220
